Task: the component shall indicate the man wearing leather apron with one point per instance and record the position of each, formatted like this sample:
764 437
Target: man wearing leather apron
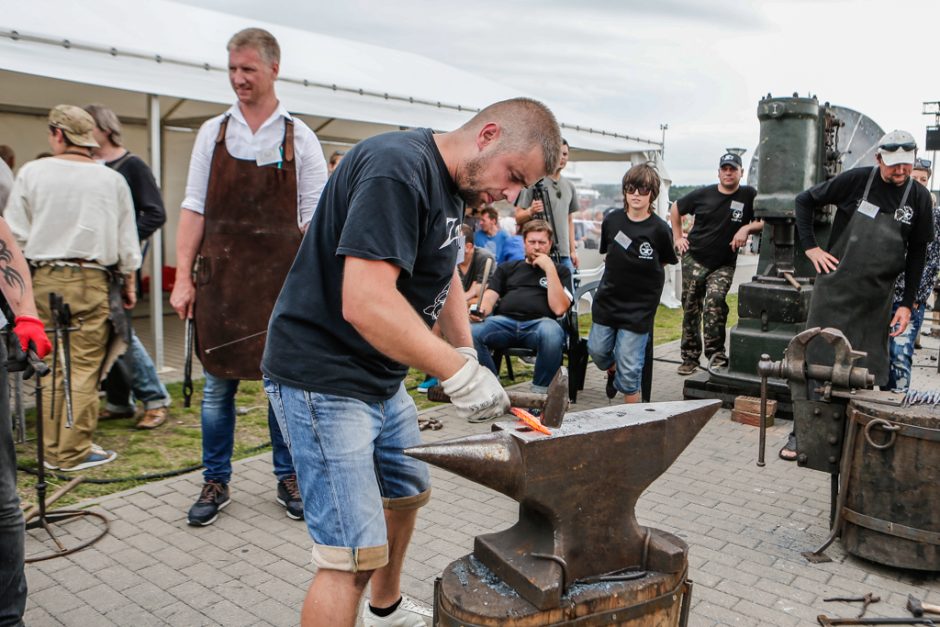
255 178
881 228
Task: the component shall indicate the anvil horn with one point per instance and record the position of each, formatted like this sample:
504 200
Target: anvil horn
490 459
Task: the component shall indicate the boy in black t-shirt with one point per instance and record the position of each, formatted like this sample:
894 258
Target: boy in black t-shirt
637 244
724 215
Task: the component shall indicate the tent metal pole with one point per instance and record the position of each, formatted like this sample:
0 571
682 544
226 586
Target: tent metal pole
154 125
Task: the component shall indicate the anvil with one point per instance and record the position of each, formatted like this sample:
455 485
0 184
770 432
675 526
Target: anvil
577 490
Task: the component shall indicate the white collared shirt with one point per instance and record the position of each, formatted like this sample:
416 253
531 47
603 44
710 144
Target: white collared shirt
243 144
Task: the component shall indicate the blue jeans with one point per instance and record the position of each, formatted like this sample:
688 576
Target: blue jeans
350 467
543 335
145 386
627 349
566 262
218 432
901 350
12 577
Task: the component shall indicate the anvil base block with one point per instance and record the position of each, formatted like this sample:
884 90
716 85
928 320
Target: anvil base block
470 595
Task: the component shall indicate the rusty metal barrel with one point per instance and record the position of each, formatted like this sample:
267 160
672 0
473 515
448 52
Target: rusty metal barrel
892 506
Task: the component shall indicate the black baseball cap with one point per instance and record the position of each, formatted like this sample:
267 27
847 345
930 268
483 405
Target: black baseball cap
729 158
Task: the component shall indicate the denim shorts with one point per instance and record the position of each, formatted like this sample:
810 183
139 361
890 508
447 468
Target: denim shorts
627 349
350 467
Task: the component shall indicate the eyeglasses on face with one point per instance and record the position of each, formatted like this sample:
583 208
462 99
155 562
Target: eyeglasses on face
907 146
640 190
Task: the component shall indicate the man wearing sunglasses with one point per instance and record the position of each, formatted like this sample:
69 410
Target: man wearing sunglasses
903 345
724 218
881 228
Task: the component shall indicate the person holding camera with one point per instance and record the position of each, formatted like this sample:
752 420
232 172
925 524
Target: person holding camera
562 199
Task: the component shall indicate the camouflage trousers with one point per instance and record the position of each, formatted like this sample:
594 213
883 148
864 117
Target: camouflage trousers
705 311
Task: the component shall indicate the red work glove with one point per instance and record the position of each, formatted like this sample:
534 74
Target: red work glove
31 329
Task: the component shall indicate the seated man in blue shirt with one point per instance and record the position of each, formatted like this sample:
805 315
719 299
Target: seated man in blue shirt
521 305
489 236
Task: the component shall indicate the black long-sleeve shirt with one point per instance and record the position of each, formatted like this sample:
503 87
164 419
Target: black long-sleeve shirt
148 203
845 191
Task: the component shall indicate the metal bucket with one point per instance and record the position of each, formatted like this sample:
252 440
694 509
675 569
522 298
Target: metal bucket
891 513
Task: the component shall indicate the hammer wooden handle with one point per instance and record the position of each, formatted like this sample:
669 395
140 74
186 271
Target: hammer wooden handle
517 399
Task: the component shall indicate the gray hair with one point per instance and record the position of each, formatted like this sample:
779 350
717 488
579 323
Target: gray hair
259 39
524 123
106 120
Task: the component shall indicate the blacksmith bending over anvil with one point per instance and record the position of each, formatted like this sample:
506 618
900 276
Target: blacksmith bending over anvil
373 273
881 228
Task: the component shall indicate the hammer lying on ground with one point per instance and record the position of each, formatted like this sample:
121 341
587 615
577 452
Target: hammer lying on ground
917 607
554 403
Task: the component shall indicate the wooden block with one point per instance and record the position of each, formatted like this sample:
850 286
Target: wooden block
750 418
752 404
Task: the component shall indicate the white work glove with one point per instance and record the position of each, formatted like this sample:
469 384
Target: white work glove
475 391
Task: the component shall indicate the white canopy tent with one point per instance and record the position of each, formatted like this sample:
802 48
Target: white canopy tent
162 67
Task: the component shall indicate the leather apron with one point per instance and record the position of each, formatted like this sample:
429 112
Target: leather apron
250 240
856 297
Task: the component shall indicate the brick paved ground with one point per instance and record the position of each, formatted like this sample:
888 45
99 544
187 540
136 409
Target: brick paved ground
745 527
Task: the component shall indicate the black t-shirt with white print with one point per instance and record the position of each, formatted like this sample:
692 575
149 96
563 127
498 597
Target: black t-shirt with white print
633 279
393 200
718 217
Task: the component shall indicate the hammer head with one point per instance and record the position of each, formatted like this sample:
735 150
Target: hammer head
914 606
556 399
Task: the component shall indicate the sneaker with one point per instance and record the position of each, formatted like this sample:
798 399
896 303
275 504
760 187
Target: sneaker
94 458
152 418
288 495
687 367
428 383
610 390
407 614
205 510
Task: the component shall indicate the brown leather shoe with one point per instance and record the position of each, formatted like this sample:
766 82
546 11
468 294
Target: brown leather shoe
152 418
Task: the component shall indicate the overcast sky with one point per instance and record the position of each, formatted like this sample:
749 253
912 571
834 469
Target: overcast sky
629 66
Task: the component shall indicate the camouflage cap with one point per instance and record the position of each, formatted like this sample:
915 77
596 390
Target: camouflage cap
76 123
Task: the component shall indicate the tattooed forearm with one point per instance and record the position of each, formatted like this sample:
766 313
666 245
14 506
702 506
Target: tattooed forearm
11 275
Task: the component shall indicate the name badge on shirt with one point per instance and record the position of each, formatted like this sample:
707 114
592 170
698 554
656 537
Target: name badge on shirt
622 239
737 210
269 156
867 209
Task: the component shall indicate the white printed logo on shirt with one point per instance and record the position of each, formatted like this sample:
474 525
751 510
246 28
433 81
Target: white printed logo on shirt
434 309
453 232
737 210
646 251
904 214
544 282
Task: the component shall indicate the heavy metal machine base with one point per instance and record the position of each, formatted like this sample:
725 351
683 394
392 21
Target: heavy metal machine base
577 554
802 142
882 450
